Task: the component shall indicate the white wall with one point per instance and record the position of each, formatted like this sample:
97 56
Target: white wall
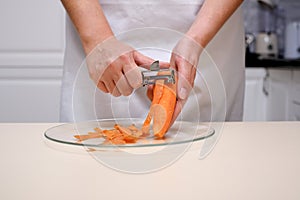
31 58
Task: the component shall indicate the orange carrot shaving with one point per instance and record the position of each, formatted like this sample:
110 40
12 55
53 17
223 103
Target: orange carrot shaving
118 135
97 134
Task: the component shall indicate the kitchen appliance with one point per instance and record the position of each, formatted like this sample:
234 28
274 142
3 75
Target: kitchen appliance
268 3
266 43
292 40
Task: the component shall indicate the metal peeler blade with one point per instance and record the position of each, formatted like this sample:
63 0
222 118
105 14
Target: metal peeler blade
155 73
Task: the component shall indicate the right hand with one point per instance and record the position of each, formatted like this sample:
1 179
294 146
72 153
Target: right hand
113 66
184 59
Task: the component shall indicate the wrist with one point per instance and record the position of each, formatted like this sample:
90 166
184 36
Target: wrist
197 37
91 40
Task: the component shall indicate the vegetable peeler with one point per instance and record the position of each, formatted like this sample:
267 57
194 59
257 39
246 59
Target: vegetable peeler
155 73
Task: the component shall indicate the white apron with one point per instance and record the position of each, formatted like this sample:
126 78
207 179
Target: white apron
80 100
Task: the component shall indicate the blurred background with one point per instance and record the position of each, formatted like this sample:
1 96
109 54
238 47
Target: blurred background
32 49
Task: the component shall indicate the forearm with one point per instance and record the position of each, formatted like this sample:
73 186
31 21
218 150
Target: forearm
89 21
210 19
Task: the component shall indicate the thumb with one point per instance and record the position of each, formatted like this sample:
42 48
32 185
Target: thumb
183 88
142 60
184 79
164 65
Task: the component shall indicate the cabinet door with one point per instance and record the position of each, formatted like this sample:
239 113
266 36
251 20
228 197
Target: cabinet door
31 100
279 98
31 58
255 98
294 109
32 33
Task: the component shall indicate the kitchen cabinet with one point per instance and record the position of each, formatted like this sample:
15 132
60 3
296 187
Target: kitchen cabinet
272 94
294 109
255 96
31 58
283 94
279 94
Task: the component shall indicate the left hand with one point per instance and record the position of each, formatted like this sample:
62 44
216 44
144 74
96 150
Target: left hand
184 60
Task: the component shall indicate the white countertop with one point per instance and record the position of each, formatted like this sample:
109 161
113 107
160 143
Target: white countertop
250 161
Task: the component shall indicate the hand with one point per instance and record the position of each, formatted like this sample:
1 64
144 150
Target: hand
113 66
184 60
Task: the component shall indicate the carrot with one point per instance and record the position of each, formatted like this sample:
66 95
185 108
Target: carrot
118 135
157 94
127 134
87 137
129 131
162 108
90 135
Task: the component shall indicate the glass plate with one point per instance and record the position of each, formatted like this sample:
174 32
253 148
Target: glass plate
180 132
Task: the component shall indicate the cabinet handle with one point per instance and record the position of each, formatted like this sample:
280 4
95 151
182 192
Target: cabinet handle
266 83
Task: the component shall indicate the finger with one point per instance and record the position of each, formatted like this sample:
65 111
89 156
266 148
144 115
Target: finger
132 74
142 60
102 87
164 65
193 76
116 91
150 92
118 77
178 108
172 62
123 86
184 78
111 76
110 86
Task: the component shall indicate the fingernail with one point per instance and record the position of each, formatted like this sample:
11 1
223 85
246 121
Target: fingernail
183 93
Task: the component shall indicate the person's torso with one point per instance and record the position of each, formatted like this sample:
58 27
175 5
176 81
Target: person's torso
125 15
175 15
